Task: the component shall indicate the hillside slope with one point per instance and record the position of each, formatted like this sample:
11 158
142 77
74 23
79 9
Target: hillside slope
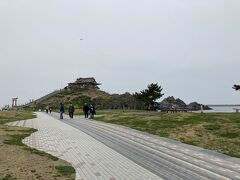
77 97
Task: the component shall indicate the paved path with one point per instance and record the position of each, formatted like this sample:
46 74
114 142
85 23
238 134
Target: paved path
105 151
91 158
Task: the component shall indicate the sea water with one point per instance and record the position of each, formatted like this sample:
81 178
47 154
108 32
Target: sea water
223 108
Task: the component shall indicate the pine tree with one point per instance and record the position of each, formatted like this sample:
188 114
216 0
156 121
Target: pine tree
150 95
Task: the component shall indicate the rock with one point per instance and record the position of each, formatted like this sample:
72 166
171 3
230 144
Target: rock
194 106
171 102
181 103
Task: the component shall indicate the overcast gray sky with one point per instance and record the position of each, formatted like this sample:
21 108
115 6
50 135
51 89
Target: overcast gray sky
190 47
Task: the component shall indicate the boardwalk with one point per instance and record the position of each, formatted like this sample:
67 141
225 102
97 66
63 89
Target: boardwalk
104 151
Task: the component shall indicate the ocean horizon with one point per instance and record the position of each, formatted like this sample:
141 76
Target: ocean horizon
223 108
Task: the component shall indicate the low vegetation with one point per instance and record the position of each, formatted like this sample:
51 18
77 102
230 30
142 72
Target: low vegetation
76 97
8 116
65 170
79 97
21 162
215 131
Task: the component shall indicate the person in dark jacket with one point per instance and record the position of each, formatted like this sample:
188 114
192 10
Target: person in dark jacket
71 110
61 110
47 109
86 110
92 111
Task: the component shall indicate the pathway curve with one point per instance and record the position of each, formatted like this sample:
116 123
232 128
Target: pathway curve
91 158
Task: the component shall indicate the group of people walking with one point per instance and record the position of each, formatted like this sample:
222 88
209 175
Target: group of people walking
89 110
48 109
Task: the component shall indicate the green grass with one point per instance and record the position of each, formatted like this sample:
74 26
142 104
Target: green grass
41 153
229 134
65 170
10 116
17 138
13 137
8 177
77 97
212 126
215 131
155 121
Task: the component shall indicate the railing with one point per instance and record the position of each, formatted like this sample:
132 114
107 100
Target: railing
44 97
236 109
175 110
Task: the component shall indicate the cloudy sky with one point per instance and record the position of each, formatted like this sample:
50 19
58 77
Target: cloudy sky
189 47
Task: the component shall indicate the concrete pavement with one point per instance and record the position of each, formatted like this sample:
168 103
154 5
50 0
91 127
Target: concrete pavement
104 151
91 158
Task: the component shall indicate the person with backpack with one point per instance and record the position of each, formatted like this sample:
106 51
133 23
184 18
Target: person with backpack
92 111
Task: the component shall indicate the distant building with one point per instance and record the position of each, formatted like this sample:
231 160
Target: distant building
83 83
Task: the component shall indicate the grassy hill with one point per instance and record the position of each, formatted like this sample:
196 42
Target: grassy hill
77 97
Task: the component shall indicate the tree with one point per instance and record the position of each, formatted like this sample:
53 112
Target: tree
150 95
236 87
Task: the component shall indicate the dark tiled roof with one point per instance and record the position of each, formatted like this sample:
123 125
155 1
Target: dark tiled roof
86 80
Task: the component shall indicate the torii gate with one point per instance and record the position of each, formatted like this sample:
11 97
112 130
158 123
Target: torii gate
14 102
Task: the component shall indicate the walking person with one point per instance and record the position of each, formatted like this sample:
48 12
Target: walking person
71 110
47 109
50 110
86 110
61 110
92 111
